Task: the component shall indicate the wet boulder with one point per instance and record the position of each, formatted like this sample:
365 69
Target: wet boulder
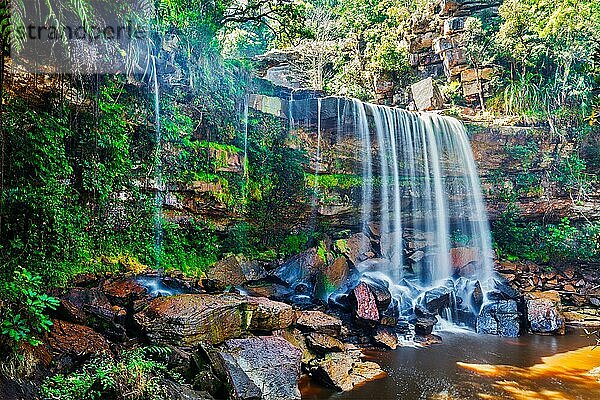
177 391
502 291
91 306
124 292
356 247
298 339
380 289
364 304
317 321
544 312
301 269
322 343
264 367
469 294
337 272
499 317
386 336
71 344
343 371
477 296
435 300
390 315
428 340
233 270
424 325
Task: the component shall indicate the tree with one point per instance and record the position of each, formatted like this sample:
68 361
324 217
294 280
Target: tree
479 47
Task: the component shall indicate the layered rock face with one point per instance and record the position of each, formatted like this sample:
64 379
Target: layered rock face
188 320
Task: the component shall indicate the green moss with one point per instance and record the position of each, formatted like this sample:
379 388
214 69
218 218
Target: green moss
341 245
227 148
322 251
334 181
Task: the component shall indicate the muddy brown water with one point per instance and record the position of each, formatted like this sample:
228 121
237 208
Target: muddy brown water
471 366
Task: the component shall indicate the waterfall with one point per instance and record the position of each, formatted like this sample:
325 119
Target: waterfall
418 175
245 126
159 196
315 194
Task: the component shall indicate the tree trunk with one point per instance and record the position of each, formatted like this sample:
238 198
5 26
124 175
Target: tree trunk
480 89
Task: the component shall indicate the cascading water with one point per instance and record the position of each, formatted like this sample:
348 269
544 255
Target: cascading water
419 175
159 186
418 153
245 129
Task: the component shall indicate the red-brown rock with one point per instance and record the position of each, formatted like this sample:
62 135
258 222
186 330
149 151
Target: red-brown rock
364 304
75 340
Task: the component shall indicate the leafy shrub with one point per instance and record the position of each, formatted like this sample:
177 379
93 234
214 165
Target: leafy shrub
133 376
25 314
549 243
190 249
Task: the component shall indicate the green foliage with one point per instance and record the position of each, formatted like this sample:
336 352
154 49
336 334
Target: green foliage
134 375
333 181
294 244
550 49
573 177
188 248
550 243
322 251
24 315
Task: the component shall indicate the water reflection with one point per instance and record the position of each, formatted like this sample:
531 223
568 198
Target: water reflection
471 366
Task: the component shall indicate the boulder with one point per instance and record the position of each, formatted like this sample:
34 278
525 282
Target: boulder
364 304
124 291
386 336
76 342
337 272
343 371
426 95
322 343
317 321
390 316
90 306
427 340
265 367
477 296
424 325
380 289
502 291
435 300
544 312
356 246
189 319
268 315
301 268
499 317
177 391
233 270
295 337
